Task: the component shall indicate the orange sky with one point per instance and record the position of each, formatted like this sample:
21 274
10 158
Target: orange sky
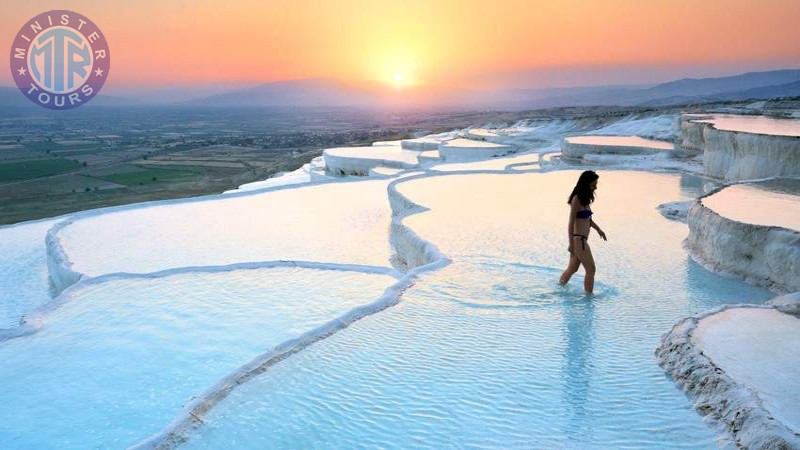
428 42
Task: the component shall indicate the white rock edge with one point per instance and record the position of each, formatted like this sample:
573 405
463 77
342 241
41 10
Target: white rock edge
715 394
576 151
721 245
739 155
412 252
61 267
35 320
677 211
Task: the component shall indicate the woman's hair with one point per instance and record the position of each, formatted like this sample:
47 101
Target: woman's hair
582 190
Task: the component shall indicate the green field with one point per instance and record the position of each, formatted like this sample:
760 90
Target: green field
150 176
64 150
37 168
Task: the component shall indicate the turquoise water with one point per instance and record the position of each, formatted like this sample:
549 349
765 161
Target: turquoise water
490 351
486 352
334 223
771 203
117 362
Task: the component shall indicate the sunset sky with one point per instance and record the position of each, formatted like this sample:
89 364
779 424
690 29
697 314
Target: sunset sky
464 43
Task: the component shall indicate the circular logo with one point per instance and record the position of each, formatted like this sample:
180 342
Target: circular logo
60 59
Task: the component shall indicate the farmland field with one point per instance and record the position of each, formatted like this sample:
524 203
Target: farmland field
36 168
148 176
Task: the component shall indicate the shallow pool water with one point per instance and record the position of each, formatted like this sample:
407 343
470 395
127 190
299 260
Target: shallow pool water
621 141
754 124
464 142
771 203
380 152
489 351
343 222
481 133
490 164
757 348
24 280
116 362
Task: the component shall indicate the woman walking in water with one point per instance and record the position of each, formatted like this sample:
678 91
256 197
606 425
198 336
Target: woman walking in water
580 223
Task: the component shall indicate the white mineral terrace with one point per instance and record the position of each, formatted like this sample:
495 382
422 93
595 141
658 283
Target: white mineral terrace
429 292
758 348
750 231
310 172
386 143
359 160
774 203
420 144
384 171
740 366
621 141
429 155
523 161
189 232
579 147
461 149
481 134
753 124
737 147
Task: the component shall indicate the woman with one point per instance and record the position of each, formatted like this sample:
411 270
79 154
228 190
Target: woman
580 223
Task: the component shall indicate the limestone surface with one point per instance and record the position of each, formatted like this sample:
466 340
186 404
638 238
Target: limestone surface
740 365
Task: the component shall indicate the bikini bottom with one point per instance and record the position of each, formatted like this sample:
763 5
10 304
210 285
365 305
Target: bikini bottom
583 240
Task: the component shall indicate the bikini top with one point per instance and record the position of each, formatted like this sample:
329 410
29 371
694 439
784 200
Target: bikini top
584 214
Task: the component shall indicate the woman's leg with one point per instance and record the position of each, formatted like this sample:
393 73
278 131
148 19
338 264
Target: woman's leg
572 267
584 253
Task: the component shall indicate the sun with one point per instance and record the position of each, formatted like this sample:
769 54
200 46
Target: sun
395 69
399 80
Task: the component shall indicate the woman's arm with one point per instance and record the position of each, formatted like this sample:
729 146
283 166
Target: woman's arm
597 227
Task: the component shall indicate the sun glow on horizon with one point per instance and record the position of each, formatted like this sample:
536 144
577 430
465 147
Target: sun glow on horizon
400 80
446 43
397 67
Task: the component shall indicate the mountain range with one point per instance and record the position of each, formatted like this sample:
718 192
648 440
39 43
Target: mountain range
320 92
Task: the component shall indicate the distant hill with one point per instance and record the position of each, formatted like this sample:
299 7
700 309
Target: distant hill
710 86
293 93
321 92
756 85
760 93
324 92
